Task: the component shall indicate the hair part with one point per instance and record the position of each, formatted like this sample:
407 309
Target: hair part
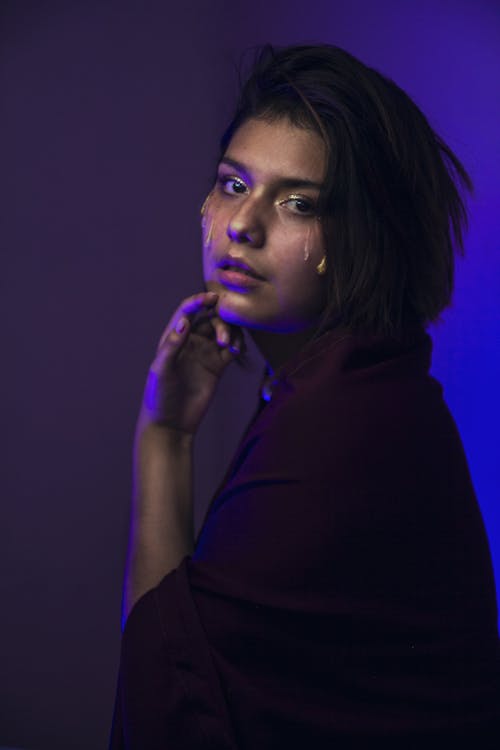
392 206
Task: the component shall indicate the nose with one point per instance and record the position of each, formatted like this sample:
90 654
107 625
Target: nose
245 227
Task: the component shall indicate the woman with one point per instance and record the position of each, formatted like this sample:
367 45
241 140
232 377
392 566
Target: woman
340 591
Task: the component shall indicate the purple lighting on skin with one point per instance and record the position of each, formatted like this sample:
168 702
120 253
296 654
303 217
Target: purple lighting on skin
151 393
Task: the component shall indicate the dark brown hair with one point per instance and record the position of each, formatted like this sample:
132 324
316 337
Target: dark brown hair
392 208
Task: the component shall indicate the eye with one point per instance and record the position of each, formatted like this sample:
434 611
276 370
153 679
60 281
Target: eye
232 185
299 205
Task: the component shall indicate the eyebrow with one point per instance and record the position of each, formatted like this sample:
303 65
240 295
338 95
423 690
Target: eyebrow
287 182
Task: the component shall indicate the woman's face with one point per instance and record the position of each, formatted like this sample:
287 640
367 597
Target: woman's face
261 232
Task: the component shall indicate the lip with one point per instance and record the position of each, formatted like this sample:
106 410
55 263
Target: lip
230 264
235 279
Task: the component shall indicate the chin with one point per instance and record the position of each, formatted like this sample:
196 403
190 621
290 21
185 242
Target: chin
249 311
232 307
236 317
258 323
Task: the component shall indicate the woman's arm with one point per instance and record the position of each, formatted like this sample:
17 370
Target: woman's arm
192 354
161 530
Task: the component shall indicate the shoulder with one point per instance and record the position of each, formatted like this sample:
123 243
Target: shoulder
347 399
344 375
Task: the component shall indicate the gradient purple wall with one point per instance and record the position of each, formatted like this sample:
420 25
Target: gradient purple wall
109 116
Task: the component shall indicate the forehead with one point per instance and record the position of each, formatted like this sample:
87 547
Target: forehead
278 149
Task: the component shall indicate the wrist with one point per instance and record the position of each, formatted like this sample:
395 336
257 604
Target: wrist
168 437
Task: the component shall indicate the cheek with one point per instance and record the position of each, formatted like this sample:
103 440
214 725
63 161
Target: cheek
207 229
299 284
303 241
213 225
302 288
300 251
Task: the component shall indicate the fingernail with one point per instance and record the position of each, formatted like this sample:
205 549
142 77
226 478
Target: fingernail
181 325
234 348
223 337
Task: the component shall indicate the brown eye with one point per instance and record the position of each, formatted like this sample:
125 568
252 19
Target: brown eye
303 207
232 185
298 205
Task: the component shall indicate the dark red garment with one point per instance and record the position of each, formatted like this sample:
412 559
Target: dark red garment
341 592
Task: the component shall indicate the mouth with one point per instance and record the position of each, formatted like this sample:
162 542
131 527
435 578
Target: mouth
236 278
237 266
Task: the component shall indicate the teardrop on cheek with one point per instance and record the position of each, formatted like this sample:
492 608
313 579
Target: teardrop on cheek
207 236
206 220
203 209
307 246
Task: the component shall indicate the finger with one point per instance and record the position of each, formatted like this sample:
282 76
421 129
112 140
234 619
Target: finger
229 337
188 309
222 332
196 303
237 345
171 343
226 356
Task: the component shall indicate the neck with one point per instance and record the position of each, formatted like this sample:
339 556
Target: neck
278 348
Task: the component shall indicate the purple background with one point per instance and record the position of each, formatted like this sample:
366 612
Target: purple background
109 118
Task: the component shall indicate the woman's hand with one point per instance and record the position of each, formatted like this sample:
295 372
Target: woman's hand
193 352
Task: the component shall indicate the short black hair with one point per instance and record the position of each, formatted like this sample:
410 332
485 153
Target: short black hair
392 208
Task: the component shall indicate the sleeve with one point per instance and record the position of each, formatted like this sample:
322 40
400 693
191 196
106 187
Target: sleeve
168 696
